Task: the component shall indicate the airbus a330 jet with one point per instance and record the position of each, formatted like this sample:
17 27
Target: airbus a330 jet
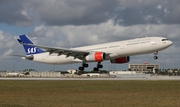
117 52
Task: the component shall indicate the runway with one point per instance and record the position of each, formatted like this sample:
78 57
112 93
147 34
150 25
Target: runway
90 78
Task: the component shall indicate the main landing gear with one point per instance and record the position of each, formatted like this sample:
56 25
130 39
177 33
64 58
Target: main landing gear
155 57
84 65
99 65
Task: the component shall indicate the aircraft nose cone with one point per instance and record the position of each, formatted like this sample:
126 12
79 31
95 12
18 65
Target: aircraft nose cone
170 42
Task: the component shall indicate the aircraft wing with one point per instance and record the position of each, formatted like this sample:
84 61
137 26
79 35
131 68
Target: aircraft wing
80 54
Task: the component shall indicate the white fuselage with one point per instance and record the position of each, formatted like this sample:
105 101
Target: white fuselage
131 47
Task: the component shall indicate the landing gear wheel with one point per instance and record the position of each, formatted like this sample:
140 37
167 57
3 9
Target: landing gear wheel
85 65
155 57
99 66
96 69
81 68
155 53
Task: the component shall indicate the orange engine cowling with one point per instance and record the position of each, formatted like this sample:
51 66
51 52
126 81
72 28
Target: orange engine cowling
121 60
96 56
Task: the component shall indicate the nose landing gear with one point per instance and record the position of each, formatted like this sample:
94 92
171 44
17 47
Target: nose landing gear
155 57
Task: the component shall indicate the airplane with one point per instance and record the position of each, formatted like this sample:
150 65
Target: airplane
12 74
117 52
17 74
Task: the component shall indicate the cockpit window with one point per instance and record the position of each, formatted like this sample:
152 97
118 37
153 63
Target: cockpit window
164 39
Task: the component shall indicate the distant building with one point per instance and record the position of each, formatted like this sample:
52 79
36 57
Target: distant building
91 75
121 72
144 68
71 71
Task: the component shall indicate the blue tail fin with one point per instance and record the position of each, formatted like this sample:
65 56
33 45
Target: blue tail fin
24 39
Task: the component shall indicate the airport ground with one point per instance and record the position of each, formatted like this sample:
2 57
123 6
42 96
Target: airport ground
123 77
102 93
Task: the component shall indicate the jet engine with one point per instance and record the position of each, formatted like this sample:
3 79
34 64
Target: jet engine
121 60
96 56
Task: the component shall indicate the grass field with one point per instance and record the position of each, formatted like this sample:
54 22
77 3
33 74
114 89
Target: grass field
89 93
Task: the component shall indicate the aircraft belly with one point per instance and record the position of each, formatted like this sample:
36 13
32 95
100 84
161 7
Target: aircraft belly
53 59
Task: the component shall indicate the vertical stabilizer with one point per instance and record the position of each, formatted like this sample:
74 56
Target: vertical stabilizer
24 39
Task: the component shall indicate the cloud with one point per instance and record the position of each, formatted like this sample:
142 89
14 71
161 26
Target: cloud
10 51
80 12
72 36
73 23
9 45
159 7
56 12
15 13
73 12
161 12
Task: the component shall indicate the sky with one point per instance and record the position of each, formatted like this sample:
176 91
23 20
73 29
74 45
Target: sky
74 23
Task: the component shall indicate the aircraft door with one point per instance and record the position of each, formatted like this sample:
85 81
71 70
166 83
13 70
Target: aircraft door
121 46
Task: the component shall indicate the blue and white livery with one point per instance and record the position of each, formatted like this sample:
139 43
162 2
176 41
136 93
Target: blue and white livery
117 52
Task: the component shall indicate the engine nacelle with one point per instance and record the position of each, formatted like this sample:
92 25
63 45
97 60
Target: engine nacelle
121 60
96 56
